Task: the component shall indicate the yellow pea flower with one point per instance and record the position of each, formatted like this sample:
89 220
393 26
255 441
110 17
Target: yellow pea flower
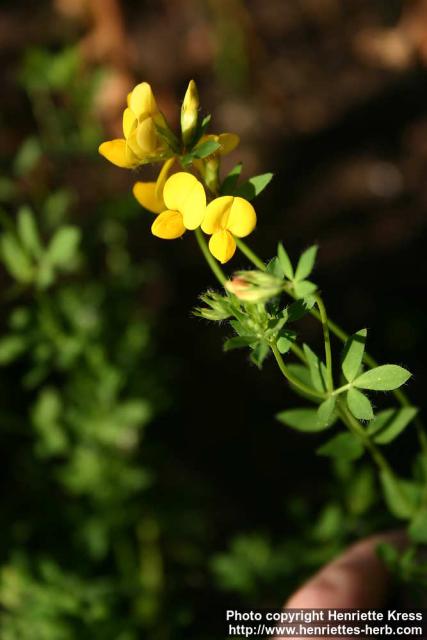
208 168
185 206
226 217
141 142
150 194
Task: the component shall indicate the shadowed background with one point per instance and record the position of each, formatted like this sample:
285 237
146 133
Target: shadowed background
333 100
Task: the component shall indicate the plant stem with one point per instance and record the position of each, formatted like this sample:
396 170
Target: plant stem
216 269
250 254
290 378
328 351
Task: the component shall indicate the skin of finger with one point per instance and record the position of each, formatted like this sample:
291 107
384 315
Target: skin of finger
357 578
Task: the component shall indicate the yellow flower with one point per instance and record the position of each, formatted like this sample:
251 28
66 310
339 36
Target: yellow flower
225 218
208 167
185 206
141 142
150 194
227 141
189 112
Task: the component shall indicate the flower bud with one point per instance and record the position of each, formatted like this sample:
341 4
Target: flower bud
189 112
254 286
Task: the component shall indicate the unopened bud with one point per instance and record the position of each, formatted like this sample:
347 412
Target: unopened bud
189 112
254 286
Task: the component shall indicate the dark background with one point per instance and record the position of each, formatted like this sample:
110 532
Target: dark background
331 97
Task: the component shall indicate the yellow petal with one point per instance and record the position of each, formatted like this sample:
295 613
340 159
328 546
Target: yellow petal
145 193
228 142
142 100
184 193
241 218
216 215
168 225
146 136
118 152
129 122
222 246
162 177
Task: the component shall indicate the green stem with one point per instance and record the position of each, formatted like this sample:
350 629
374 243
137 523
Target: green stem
290 378
250 254
327 339
216 269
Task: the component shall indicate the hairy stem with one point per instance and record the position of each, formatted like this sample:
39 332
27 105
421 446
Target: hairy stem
290 378
326 337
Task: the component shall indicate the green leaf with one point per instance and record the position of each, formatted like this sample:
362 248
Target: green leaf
390 423
299 309
353 354
300 372
285 262
63 246
306 263
204 149
384 378
418 527
344 446
28 232
305 420
259 354
325 411
400 495
304 288
361 491
285 341
317 369
254 186
230 181
15 259
359 405
237 342
275 268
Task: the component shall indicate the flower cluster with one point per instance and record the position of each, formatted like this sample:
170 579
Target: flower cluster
187 193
